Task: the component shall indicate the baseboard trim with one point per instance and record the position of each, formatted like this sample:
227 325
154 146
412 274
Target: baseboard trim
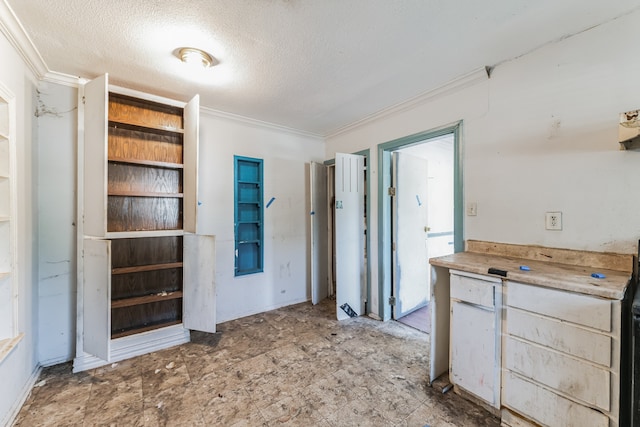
24 394
135 345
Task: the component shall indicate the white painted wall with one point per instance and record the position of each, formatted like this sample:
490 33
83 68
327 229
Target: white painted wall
18 369
286 236
539 135
56 145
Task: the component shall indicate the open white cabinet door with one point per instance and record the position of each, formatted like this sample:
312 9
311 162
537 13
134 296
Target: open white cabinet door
97 298
411 260
94 216
439 337
349 232
190 158
199 291
319 229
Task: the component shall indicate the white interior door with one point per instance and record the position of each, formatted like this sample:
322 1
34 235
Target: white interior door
349 232
411 260
199 291
319 229
97 298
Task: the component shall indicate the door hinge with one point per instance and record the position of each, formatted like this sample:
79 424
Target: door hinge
392 191
392 301
393 246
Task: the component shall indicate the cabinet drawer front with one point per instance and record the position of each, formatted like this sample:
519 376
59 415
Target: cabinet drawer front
581 309
571 376
546 407
560 336
472 290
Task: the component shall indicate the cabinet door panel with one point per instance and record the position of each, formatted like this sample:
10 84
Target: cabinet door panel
199 283
473 360
97 298
581 309
546 407
191 153
572 376
95 157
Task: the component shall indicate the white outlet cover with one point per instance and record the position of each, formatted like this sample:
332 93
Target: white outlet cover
553 221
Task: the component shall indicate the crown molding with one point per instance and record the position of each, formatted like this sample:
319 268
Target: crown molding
11 27
466 80
62 79
257 123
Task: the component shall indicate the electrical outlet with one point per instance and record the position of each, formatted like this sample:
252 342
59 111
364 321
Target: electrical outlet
553 221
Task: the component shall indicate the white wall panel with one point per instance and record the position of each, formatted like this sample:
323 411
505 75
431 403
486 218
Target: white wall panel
284 280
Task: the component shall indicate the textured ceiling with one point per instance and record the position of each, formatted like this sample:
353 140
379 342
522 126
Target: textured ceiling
312 65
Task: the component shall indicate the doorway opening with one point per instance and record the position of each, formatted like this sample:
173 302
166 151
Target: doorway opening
420 213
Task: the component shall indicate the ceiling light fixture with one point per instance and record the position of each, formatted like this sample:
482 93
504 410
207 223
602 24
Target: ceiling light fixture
194 56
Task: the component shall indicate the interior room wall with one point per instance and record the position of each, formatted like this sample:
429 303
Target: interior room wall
539 135
56 115
286 156
19 369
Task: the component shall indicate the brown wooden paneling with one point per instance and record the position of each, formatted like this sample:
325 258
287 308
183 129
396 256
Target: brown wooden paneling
128 320
143 213
130 144
137 111
145 283
144 179
145 251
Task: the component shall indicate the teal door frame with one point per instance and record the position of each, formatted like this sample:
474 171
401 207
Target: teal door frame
384 205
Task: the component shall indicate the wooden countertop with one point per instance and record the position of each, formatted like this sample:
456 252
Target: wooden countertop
480 256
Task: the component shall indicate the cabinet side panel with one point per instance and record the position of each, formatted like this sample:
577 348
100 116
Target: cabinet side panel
97 297
440 318
199 283
95 156
191 154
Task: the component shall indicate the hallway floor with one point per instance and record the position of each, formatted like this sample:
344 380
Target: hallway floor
294 366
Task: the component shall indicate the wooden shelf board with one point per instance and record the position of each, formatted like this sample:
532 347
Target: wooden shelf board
166 165
146 299
145 194
145 127
144 329
149 267
142 233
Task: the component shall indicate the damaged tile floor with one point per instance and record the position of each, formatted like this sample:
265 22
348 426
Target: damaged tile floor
294 366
